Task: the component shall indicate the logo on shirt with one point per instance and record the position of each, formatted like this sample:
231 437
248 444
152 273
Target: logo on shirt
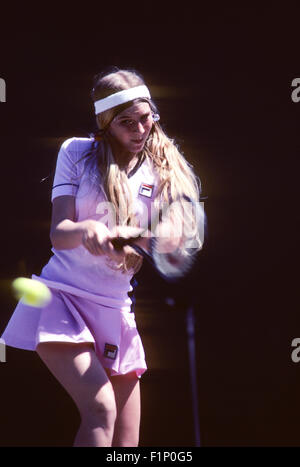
110 351
146 190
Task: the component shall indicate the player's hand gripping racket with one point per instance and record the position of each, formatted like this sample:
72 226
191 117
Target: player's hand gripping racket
175 264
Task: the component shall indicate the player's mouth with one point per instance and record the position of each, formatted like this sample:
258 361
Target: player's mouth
138 141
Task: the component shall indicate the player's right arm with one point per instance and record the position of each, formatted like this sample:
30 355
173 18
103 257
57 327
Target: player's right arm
66 234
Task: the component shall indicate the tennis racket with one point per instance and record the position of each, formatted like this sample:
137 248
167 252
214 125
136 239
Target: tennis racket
173 266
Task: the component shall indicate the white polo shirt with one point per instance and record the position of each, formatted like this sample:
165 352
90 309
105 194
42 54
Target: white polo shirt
76 270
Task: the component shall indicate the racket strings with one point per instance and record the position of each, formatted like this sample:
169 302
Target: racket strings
182 220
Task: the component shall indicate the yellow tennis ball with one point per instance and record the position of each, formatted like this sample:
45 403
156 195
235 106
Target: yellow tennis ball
31 292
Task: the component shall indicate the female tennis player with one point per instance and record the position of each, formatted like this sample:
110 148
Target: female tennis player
107 186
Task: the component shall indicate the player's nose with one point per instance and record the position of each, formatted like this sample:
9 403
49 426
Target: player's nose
140 128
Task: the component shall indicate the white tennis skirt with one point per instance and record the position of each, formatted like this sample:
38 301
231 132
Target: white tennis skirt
71 318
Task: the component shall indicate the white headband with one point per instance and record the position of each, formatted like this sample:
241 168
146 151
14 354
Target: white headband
121 97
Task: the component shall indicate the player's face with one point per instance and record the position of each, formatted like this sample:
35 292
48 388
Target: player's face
131 127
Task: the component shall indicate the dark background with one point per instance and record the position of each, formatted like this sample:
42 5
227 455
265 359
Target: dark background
222 82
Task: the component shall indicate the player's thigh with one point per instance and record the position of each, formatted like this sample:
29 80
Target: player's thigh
128 400
80 372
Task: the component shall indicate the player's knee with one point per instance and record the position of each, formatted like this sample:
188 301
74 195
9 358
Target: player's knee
105 413
101 409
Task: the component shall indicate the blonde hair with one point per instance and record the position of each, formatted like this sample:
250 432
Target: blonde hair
176 175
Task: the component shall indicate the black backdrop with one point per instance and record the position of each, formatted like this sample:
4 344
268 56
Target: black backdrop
222 82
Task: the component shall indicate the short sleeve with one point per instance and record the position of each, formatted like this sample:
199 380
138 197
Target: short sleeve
65 179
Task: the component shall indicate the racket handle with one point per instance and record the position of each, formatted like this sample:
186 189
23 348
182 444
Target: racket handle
119 242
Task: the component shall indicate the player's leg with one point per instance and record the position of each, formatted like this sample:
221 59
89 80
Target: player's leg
128 400
79 371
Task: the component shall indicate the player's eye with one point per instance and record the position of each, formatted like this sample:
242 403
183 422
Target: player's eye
145 118
128 123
